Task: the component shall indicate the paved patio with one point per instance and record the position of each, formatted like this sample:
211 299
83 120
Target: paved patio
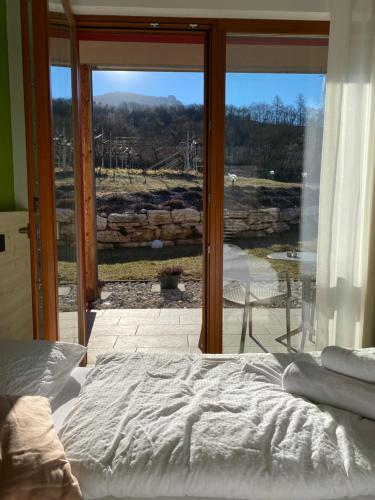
173 330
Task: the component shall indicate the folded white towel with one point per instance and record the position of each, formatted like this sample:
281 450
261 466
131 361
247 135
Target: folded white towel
357 363
320 385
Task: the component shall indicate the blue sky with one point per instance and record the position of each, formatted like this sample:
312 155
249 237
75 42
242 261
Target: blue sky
244 88
241 88
61 85
187 87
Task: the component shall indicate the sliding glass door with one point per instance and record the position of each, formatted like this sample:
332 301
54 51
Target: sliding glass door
53 170
203 149
65 165
148 164
274 107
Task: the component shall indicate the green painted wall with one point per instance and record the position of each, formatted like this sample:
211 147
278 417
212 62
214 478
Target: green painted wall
6 151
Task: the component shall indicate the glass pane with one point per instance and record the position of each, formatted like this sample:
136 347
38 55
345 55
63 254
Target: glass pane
274 121
64 168
148 120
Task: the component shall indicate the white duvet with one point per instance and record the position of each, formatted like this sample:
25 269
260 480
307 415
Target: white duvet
212 426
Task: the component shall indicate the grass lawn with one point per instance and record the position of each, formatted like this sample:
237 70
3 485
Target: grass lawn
149 269
145 263
140 263
129 181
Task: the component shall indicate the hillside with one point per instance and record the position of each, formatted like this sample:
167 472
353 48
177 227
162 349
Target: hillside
117 98
262 140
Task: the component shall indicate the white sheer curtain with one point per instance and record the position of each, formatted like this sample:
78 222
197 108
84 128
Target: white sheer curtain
345 280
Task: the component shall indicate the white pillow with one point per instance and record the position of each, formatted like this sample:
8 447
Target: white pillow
36 367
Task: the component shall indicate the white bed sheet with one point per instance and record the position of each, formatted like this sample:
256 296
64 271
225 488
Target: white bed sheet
64 402
335 449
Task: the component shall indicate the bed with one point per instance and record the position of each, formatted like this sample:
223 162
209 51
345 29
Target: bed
65 401
276 446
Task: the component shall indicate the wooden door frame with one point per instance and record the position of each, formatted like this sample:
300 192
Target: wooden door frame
82 303
216 146
213 196
89 188
248 27
33 201
215 30
41 180
39 156
171 29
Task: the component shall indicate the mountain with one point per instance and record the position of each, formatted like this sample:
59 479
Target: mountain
117 98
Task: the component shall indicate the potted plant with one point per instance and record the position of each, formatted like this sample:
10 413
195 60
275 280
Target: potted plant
169 277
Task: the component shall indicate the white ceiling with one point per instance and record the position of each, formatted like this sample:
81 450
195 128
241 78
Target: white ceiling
245 9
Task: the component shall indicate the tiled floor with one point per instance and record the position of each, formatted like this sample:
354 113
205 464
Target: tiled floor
174 330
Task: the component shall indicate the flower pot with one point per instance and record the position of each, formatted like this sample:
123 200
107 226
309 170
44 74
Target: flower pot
169 282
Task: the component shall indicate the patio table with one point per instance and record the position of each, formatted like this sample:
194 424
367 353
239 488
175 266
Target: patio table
307 261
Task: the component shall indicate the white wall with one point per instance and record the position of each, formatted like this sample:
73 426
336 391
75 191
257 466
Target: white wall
17 104
261 9
15 278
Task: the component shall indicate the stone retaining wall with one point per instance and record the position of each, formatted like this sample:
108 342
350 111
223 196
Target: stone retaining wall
182 226
176 227
258 223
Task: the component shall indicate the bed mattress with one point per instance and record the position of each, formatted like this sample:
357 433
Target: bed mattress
198 426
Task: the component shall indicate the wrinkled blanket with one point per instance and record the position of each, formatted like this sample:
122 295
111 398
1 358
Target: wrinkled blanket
32 461
212 426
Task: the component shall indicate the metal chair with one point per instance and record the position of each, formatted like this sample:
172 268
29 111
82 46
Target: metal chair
308 331
247 283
